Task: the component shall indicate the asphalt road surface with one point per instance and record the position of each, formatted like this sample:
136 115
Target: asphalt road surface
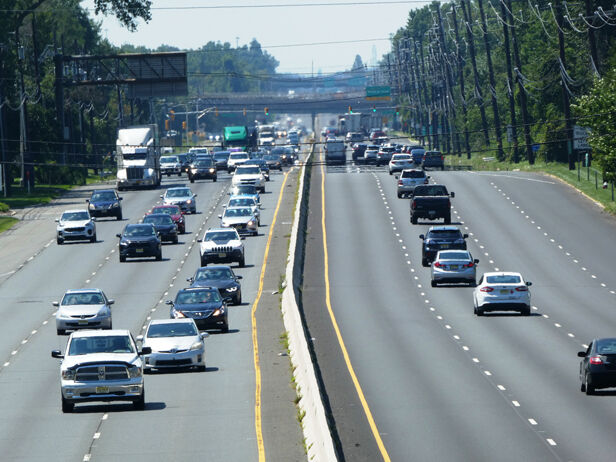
438 382
188 415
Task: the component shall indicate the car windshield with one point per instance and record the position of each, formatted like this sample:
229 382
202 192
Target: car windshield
171 210
503 279
248 171
401 157
139 231
158 219
103 196
413 174
213 273
239 156
83 298
432 190
172 329
99 344
272 157
238 212
220 236
75 216
197 296
169 160
182 157
454 256
244 202
183 192
444 234
606 346
203 163
221 155
246 189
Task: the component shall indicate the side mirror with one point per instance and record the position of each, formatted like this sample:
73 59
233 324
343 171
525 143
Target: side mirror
581 354
161 196
118 235
168 302
57 220
243 238
57 354
453 194
465 236
428 177
422 236
120 198
476 260
139 338
195 195
111 301
238 277
204 335
528 283
199 240
191 280
87 200
145 351
397 177
219 216
55 303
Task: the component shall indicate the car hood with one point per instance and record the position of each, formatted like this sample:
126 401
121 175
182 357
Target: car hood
164 227
199 307
102 203
174 200
143 239
251 176
236 220
170 343
74 223
76 360
74 310
217 283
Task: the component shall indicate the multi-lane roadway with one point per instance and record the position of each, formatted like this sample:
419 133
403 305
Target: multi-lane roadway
409 372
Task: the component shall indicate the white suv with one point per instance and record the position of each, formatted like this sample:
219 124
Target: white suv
75 224
235 159
221 245
249 174
101 366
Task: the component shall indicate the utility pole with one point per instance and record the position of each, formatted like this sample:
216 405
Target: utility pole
27 177
419 79
3 170
521 90
497 122
510 91
471 48
594 56
565 89
461 78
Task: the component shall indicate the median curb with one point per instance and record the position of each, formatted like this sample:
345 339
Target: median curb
318 440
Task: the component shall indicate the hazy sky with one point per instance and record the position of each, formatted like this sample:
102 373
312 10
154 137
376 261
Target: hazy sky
274 27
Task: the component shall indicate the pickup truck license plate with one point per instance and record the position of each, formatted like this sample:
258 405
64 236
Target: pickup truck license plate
102 390
222 255
139 250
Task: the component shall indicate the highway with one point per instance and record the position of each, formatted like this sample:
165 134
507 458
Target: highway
425 379
210 415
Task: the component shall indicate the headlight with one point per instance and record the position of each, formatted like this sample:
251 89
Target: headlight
189 201
250 223
194 170
91 207
134 372
219 311
212 170
177 314
104 311
63 315
68 374
196 346
231 289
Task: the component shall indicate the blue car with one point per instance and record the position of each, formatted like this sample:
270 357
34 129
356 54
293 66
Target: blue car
105 203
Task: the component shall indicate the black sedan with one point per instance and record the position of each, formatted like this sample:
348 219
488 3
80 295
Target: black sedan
202 169
273 161
223 278
140 240
598 368
204 305
164 225
105 203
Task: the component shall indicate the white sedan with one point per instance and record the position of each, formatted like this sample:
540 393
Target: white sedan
502 291
175 343
400 162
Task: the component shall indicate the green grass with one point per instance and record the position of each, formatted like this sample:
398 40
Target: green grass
41 194
7 223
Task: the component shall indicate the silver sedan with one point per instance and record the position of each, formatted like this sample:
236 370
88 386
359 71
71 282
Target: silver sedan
454 266
83 309
175 343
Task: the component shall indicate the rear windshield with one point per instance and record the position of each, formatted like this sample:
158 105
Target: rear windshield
413 174
453 256
503 279
444 234
435 190
606 346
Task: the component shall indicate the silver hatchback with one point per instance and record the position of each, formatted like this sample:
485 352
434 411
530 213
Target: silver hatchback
452 266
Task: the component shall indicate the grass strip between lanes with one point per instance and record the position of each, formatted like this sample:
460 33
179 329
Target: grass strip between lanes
345 353
255 340
7 223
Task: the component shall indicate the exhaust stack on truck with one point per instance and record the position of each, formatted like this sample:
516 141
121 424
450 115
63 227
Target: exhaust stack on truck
138 157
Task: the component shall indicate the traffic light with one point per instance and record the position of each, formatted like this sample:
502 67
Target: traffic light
184 125
350 110
167 124
266 110
216 111
244 112
172 114
373 108
397 110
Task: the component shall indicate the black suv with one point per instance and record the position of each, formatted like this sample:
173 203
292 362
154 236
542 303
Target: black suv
140 240
105 203
203 168
433 159
358 151
440 238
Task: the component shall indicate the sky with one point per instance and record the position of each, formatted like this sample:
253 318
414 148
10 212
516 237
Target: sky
189 24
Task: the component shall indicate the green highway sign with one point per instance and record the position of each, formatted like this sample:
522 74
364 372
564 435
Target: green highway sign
378 93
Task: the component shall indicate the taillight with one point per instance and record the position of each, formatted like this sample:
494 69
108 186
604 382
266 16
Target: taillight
399 182
486 289
438 265
442 158
413 204
522 289
448 203
423 158
595 360
469 265
426 181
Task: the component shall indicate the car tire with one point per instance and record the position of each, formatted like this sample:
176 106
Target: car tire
215 179
442 167
201 368
589 388
424 262
67 407
119 216
242 262
192 180
225 329
175 239
448 220
390 172
238 299
478 312
93 238
59 241
413 219
60 331
139 403
433 283
399 196
168 174
525 311
122 259
179 173
159 256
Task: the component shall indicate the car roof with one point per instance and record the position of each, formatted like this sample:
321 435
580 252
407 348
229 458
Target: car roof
443 228
161 206
99 333
82 291
197 289
503 273
178 187
76 210
214 267
172 321
243 196
136 225
156 215
231 230
445 252
103 190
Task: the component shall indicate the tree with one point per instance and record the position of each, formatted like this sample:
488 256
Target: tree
596 109
358 64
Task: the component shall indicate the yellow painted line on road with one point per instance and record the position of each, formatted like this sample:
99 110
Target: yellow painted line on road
345 353
255 340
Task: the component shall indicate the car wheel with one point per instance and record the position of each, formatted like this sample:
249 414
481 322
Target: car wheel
225 329
168 174
159 256
478 312
67 407
399 196
590 390
139 403
448 220
425 262
122 259
175 239
93 238
179 173
201 368
60 241
183 231
215 179
61 331
433 283
442 167
413 219
390 172
525 311
238 299
192 180
242 262
119 216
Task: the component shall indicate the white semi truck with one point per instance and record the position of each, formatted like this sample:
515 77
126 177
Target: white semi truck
138 157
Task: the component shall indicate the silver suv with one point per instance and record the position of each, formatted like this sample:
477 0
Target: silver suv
410 178
75 224
221 245
101 366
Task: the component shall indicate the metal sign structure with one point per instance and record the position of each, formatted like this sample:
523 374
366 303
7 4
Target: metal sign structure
378 93
580 138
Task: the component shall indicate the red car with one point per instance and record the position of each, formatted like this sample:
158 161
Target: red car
176 215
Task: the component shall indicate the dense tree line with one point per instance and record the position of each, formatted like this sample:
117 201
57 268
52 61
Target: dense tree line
450 87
